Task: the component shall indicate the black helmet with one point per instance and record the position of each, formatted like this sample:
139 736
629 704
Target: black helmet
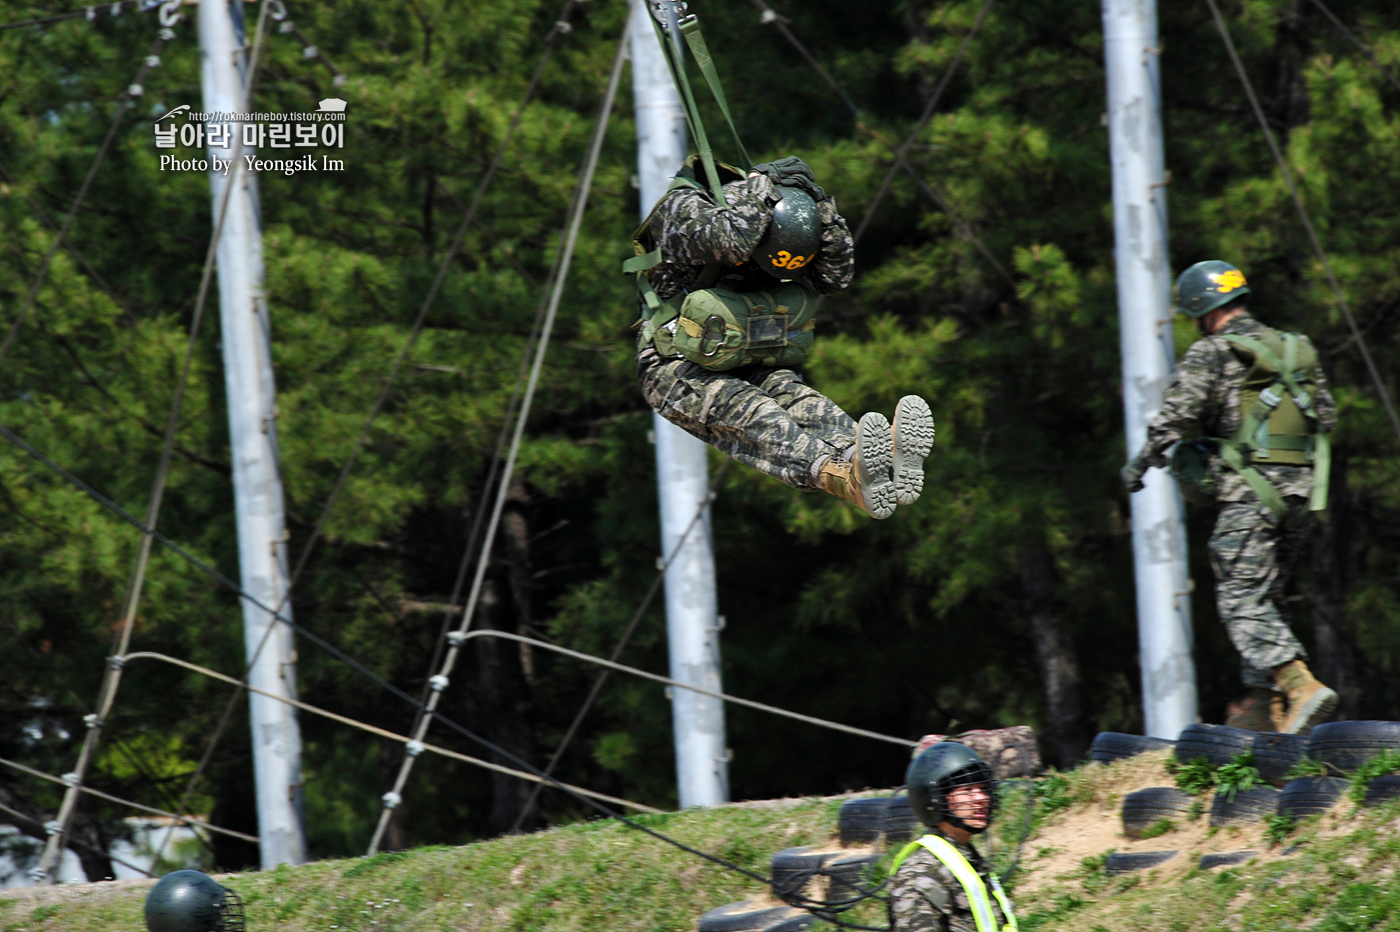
939 770
1206 285
188 901
793 238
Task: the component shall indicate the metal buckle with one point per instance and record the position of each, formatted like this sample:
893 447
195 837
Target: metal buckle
708 332
1268 397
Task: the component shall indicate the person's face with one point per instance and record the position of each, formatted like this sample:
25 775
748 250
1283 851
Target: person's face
972 804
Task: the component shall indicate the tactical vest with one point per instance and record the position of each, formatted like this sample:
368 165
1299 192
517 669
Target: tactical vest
1278 423
716 327
971 882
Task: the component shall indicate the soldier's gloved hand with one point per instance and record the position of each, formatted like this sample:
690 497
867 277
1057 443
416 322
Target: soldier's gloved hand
1131 475
794 173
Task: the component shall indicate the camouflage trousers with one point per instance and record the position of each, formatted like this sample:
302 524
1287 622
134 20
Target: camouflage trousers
763 417
1253 554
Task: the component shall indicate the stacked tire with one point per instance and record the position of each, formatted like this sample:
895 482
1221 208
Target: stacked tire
1110 746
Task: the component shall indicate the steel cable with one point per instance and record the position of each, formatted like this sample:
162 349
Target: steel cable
1332 17
1303 215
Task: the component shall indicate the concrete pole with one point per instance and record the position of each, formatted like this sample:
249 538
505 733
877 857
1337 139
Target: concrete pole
1145 320
682 476
257 483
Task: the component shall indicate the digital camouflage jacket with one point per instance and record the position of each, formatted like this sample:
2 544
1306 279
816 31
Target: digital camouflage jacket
1203 399
926 897
692 232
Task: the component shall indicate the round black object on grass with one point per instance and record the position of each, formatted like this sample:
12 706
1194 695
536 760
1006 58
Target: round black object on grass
1226 859
744 916
185 901
1349 745
1145 808
1310 795
1110 746
1219 744
1251 805
862 821
1125 862
792 869
1382 790
1276 754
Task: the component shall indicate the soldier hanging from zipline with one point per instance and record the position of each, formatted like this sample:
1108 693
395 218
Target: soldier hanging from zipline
729 265
1249 410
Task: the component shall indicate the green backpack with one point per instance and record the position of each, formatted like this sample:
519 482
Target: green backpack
1279 423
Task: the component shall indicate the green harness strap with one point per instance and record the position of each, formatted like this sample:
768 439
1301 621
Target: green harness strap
692 112
693 37
1253 435
972 884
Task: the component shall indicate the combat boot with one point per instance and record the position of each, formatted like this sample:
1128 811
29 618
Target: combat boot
1261 710
1309 702
866 480
912 431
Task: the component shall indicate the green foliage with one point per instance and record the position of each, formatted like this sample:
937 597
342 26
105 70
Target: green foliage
1307 767
369 864
1278 827
1384 763
1195 776
1239 774
1159 828
1065 904
1052 795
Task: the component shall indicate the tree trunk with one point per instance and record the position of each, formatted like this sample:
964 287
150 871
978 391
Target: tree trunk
1336 659
517 546
1054 651
503 701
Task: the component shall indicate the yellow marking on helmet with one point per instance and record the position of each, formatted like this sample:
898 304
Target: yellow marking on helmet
1228 281
786 260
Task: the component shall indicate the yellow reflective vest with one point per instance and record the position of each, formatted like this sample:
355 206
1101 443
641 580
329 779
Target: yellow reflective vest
967 876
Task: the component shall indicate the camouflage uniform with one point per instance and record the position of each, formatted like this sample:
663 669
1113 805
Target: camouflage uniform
1252 551
763 416
926 897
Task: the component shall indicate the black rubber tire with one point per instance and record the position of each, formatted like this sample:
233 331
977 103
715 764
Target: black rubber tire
861 820
1349 745
742 917
1226 859
1110 746
1125 862
1275 755
1382 790
792 869
799 920
1218 744
1147 807
1251 805
901 825
1310 795
848 873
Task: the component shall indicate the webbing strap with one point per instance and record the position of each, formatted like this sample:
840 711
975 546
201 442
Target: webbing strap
966 875
1262 487
642 263
692 113
1322 471
696 40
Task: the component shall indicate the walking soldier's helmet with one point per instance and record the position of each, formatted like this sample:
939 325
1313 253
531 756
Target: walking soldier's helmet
188 901
1207 285
793 237
937 772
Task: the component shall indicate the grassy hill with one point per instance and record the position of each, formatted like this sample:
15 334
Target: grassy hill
1335 873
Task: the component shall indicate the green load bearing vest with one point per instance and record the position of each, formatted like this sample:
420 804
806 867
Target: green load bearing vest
972 884
716 327
1278 424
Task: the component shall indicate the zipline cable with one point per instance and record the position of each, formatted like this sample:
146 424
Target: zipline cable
89 12
1357 42
627 632
123 105
111 678
21 818
561 27
580 202
1303 215
770 16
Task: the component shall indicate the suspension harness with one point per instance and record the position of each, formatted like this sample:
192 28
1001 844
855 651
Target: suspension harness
972 884
713 326
1279 422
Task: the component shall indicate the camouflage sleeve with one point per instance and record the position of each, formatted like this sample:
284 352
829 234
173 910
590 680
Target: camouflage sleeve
1324 404
922 896
696 231
1184 402
835 263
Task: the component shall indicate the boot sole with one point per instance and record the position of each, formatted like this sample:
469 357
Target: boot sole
913 442
876 458
1315 711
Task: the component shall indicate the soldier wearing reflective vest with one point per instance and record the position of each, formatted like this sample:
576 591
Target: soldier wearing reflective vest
728 276
1249 410
939 883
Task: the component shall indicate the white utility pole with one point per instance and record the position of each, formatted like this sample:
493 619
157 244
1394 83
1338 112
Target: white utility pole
252 419
682 476
1131 53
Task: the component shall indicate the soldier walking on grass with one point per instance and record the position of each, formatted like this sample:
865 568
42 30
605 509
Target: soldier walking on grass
1249 409
728 294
